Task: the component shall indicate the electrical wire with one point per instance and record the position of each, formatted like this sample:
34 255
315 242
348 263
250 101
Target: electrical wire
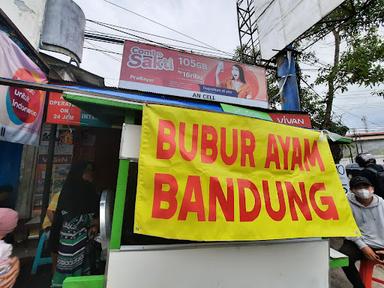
150 34
138 37
93 35
118 38
338 107
103 51
165 26
98 47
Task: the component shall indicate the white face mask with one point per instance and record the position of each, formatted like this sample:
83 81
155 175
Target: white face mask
363 193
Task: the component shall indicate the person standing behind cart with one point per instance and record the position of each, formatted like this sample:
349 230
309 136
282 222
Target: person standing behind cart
74 221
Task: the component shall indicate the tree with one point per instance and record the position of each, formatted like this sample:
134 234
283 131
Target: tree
358 24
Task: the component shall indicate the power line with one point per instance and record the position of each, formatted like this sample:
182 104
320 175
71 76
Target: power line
345 111
98 48
165 26
102 50
152 41
133 35
115 39
150 34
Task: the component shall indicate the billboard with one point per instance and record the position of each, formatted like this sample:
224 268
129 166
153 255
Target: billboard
280 22
160 70
21 109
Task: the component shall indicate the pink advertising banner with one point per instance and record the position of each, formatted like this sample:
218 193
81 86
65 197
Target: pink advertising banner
21 109
160 70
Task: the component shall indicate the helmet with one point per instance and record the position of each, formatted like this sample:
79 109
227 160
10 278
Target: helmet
364 158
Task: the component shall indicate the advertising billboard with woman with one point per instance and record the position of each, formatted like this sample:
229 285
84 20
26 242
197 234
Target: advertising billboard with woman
160 70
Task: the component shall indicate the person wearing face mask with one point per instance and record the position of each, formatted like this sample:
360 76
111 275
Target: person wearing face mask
368 211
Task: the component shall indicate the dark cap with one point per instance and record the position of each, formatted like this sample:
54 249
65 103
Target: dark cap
359 180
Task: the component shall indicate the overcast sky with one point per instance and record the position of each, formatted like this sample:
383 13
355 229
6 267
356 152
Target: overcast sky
214 23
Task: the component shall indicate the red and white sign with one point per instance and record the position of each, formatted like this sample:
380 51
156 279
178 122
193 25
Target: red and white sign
21 109
298 120
61 111
159 70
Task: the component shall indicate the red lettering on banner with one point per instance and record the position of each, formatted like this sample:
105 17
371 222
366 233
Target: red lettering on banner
295 200
164 196
188 155
312 156
216 194
208 143
192 190
296 154
272 152
166 145
247 148
331 211
248 216
285 146
229 159
166 188
279 214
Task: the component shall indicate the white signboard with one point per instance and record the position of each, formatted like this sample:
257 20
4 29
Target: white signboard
286 264
280 22
130 142
343 176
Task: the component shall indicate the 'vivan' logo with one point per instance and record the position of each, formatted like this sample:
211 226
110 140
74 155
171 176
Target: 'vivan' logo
149 59
290 121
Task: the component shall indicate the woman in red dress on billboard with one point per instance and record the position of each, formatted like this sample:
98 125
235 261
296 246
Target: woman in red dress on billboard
237 82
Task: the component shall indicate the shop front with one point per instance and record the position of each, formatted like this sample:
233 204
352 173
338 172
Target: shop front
277 198
210 191
78 137
207 192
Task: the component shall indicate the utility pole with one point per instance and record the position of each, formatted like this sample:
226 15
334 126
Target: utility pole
286 72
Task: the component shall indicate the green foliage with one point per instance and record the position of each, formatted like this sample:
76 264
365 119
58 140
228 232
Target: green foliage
362 62
357 27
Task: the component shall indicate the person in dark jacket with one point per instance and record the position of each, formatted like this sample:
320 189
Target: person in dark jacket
74 220
370 171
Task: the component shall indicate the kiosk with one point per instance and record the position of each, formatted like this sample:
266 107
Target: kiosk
224 256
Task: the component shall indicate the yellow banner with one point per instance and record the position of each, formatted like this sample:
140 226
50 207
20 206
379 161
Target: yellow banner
217 177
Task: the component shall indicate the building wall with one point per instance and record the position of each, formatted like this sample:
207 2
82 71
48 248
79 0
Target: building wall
373 146
27 15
